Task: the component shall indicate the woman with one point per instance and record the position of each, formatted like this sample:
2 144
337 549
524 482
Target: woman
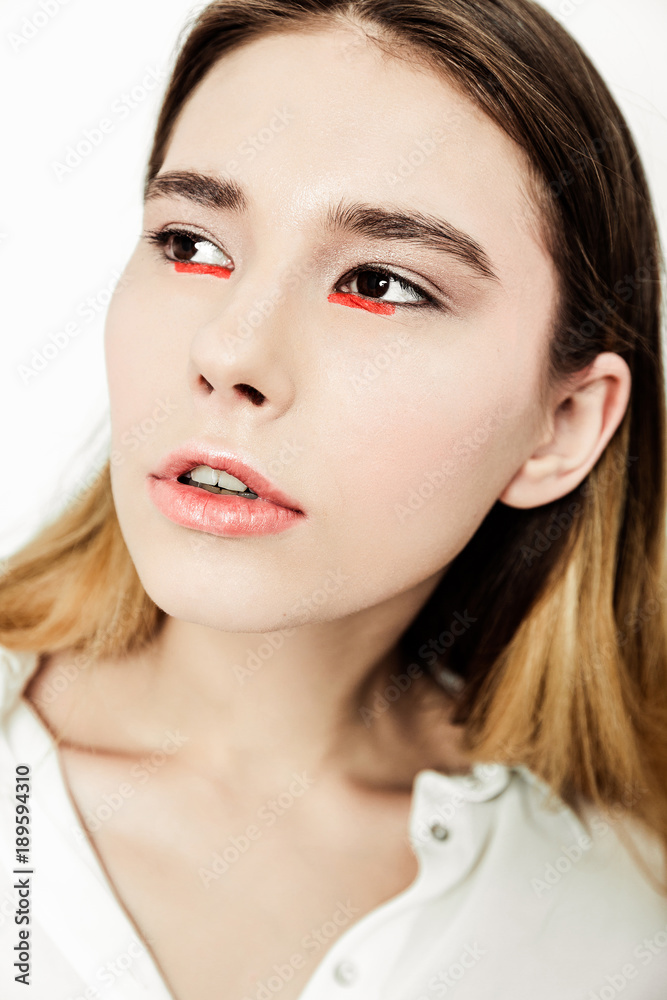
347 676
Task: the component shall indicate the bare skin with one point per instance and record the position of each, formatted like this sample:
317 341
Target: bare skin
322 845
362 446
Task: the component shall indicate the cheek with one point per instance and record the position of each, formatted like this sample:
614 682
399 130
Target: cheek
143 349
432 453
449 461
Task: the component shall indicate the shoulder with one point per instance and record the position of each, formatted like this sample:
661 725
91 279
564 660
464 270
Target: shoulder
574 893
609 844
561 863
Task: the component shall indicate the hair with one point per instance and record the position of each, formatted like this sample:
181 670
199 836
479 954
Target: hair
562 667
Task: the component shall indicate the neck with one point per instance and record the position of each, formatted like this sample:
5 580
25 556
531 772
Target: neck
329 698
311 697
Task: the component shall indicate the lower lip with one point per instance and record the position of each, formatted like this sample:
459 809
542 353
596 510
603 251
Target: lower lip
218 513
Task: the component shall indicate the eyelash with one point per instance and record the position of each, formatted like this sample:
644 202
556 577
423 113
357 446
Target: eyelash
160 237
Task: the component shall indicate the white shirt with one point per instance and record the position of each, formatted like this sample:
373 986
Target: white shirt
514 899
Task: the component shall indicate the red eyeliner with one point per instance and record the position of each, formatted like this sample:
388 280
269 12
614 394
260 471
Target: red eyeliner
342 298
349 299
220 272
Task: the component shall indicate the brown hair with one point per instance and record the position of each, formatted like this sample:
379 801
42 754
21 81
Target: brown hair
564 669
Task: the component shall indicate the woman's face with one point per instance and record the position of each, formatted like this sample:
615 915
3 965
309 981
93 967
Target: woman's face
394 430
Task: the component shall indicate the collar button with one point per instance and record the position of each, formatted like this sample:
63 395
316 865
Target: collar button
345 973
439 831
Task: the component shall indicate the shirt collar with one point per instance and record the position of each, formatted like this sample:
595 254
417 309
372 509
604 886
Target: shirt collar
16 668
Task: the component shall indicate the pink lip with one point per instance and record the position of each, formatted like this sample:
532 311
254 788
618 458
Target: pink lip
220 513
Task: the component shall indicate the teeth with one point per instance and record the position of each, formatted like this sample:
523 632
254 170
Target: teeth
230 482
204 474
214 477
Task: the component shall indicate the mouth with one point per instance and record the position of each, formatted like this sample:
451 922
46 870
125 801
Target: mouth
206 478
222 473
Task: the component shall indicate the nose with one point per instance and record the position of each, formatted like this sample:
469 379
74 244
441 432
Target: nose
242 357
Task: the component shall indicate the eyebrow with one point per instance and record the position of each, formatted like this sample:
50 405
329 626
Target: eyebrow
214 192
372 221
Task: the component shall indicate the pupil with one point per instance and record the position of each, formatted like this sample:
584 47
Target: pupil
372 283
186 245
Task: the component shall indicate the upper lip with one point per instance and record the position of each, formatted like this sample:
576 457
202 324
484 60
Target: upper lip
188 457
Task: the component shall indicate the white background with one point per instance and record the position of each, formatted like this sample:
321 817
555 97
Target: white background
62 239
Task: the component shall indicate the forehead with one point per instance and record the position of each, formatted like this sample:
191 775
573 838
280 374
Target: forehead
305 118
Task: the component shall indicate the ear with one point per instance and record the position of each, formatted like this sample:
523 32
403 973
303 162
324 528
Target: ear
581 421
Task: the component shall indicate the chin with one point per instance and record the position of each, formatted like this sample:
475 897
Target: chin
187 594
265 598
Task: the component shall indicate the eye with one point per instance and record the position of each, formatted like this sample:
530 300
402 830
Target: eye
184 247
379 283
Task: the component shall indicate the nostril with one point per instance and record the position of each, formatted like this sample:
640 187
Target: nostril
254 395
203 381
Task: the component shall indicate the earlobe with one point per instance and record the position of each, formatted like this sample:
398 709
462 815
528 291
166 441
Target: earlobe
580 427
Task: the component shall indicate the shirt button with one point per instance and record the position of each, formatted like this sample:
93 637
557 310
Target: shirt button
439 831
345 973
